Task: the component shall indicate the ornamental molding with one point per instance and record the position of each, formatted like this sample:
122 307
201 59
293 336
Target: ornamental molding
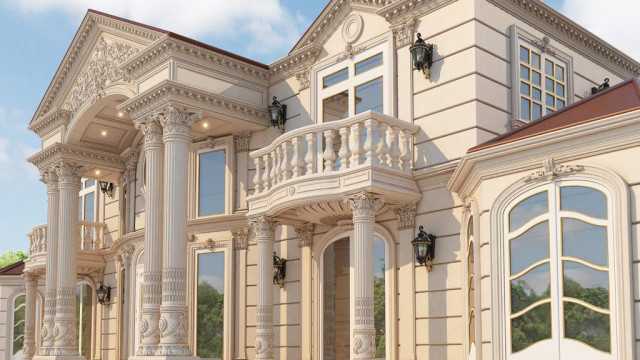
298 61
210 143
305 234
92 24
350 51
241 140
191 238
543 45
397 12
210 245
550 170
50 121
303 77
168 91
406 214
364 206
169 47
76 155
125 255
99 72
547 20
403 32
240 238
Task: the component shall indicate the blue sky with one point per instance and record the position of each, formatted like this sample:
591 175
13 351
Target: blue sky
36 34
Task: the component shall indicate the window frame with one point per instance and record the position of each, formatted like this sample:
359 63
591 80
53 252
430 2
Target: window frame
522 37
94 309
207 146
11 311
84 192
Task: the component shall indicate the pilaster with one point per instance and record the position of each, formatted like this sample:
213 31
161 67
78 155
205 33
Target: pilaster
240 243
123 259
50 177
305 241
31 290
405 215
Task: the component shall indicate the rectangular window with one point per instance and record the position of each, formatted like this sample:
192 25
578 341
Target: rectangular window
89 207
210 306
336 107
211 183
369 96
336 77
369 63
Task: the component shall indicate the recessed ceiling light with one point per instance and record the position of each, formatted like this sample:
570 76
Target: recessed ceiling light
104 133
120 113
97 172
205 125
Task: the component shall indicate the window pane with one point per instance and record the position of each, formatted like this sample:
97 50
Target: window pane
368 64
548 83
89 207
335 78
537 94
559 104
89 183
210 302
537 111
584 241
17 342
527 209
84 313
524 72
550 100
211 183
585 200
525 89
524 54
535 60
534 285
548 67
369 96
559 73
535 77
530 247
587 326
80 207
379 250
525 112
586 284
560 90
531 327
336 107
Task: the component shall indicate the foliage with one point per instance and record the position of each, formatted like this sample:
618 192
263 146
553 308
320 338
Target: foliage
210 321
379 315
12 257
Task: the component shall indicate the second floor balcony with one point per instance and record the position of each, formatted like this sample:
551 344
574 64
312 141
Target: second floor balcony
326 162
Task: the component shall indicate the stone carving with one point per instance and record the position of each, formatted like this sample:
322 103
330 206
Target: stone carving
176 124
364 343
100 71
126 255
174 331
350 51
544 45
403 33
210 143
305 234
352 28
240 238
263 226
241 140
363 206
405 214
303 78
550 171
210 245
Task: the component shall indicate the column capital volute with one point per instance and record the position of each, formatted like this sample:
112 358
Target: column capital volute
176 124
30 278
69 174
49 177
151 128
364 205
263 224
240 238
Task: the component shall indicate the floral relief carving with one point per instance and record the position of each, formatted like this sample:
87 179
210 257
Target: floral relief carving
543 44
303 78
241 140
550 170
364 343
210 143
405 214
403 33
305 234
240 238
100 71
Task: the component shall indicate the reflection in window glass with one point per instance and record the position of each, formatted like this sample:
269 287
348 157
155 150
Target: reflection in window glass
89 207
336 107
584 200
368 64
587 326
89 183
530 247
586 284
210 302
527 209
369 96
532 286
584 241
211 183
84 316
531 327
335 78
17 341
379 296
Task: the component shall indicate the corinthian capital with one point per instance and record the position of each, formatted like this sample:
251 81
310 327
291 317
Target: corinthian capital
177 123
69 174
240 238
151 129
364 206
263 226
49 177
305 234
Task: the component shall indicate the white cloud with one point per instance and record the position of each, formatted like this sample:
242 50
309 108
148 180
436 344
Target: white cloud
265 24
615 21
15 149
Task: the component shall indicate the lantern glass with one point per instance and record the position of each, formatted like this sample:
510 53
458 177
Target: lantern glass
419 55
274 114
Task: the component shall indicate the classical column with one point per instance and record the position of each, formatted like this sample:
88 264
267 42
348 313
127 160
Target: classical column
31 290
363 332
65 330
51 179
173 311
150 312
264 229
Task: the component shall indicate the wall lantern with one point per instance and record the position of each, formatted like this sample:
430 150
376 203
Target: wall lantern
277 114
603 86
422 56
104 294
106 188
424 246
279 270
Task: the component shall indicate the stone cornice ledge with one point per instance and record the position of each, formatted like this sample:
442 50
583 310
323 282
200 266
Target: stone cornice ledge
570 144
76 155
559 27
50 121
167 47
171 91
297 60
400 10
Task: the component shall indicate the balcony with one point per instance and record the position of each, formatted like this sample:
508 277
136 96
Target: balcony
323 163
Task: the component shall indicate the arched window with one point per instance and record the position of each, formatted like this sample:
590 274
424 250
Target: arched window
17 327
559 275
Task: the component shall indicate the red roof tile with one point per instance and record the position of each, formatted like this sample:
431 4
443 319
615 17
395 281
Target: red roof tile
618 99
13 269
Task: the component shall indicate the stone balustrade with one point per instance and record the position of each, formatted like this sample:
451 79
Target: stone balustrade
38 239
91 237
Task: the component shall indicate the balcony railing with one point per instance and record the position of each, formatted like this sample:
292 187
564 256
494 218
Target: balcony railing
367 139
90 237
38 239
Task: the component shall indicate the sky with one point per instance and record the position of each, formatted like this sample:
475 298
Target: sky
37 33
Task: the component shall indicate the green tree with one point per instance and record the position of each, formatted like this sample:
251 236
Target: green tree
210 321
12 257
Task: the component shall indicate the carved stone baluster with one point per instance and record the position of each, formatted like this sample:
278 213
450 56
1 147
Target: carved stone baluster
394 152
312 154
369 147
383 147
286 161
257 179
296 161
329 154
406 150
266 176
356 145
345 152
274 168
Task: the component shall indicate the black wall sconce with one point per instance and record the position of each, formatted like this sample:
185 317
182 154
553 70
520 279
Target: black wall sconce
603 86
279 270
277 114
422 56
424 246
104 295
106 188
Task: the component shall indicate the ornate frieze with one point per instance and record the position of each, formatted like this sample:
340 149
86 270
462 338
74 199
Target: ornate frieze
395 11
550 170
241 140
406 214
210 245
240 238
305 234
53 154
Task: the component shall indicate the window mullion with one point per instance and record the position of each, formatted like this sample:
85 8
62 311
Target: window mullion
556 266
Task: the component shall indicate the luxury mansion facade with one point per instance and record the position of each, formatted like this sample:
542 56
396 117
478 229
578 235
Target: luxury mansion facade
415 179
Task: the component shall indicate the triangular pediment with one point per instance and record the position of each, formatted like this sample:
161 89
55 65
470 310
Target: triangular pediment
91 63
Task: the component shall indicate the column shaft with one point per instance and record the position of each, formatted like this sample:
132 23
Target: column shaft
265 336
53 204
31 289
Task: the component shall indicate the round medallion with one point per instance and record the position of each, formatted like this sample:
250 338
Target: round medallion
352 28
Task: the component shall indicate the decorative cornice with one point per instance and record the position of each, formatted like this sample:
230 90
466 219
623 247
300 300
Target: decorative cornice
572 35
397 11
50 121
305 234
297 61
169 91
241 140
550 171
73 154
406 214
240 238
